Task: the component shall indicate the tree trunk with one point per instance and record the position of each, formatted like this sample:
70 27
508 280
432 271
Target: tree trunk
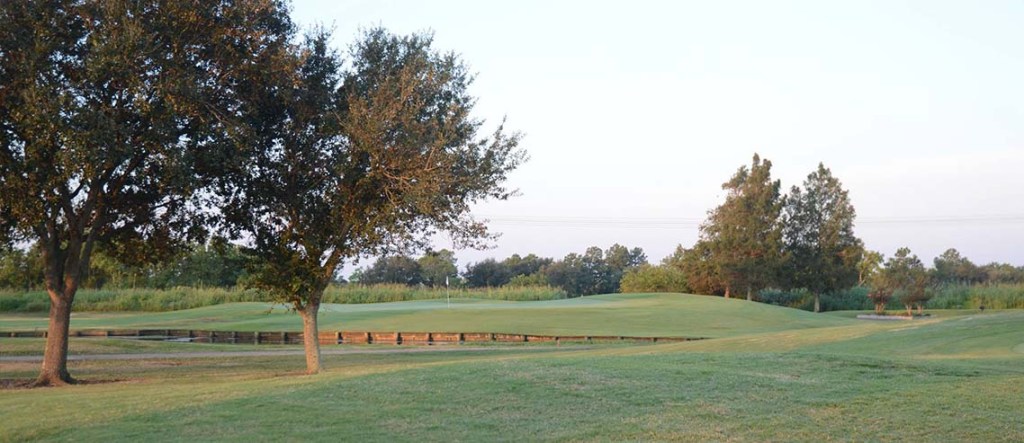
750 295
817 303
726 292
879 308
910 312
311 336
54 371
920 309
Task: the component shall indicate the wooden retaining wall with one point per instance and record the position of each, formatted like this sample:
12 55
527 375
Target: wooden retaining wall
343 337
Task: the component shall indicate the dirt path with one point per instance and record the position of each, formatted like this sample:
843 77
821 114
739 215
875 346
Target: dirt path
286 352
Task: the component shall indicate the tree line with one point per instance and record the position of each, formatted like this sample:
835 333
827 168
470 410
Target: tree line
595 271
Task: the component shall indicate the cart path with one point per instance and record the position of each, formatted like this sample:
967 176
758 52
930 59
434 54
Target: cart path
287 352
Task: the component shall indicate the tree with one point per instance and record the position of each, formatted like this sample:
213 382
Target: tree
488 273
394 269
111 115
523 266
743 234
821 250
702 275
906 277
621 258
881 290
374 157
870 263
647 278
436 267
951 267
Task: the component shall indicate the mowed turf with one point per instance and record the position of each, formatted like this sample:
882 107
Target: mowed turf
958 378
666 315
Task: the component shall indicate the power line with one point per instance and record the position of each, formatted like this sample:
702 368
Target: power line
693 222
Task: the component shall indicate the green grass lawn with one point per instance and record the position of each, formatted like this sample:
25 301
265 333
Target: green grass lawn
620 314
784 376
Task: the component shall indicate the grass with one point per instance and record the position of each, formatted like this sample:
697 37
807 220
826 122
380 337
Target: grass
790 376
160 300
619 314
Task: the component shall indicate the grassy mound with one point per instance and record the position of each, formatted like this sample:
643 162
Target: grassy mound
617 314
955 378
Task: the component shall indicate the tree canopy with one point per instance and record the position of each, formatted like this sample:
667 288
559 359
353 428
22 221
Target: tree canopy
821 250
112 115
743 234
359 159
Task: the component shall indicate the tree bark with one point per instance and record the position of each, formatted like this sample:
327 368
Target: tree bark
726 292
54 371
750 296
817 303
311 336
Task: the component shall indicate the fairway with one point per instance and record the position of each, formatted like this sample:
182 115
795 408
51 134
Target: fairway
770 374
663 315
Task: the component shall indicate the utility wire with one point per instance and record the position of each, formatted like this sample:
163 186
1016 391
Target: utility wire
691 222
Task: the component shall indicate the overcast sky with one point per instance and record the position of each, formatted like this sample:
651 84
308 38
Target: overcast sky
636 112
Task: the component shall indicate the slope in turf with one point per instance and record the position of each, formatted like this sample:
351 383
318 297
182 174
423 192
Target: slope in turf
618 314
860 381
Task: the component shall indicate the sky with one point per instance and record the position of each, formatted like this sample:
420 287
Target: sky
634 113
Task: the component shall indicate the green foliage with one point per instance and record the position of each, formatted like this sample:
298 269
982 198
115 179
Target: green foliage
647 278
996 296
743 234
437 269
488 273
821 252
698 265
870 263
393 269
132 300
951 267
535 279
397 293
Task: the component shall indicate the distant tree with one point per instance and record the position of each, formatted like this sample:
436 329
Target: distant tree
374 157
395 269
585 274
697 264
647 278
907 277
20 269
1002 273
621 258
529 265
821 250
569 274
869 264
488 273
951 267
436 267
112 115
535 279
743 234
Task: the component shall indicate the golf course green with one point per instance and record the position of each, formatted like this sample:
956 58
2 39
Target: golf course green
767 374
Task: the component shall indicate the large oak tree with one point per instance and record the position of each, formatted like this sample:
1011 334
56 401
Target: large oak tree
111 114
361 157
